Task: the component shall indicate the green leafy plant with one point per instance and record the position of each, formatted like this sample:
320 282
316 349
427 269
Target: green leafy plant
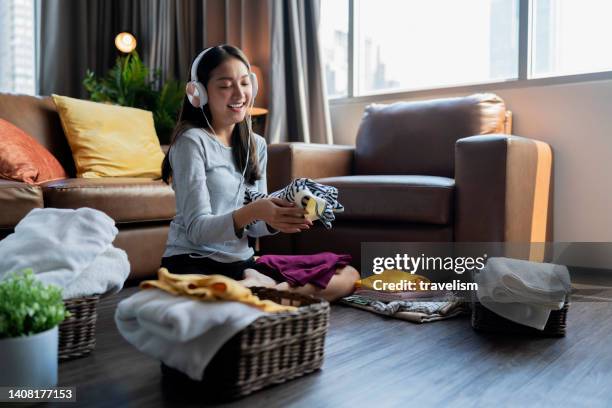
27 306
130 83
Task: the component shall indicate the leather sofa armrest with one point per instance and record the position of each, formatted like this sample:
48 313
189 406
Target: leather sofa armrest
503 189
287 161
16 201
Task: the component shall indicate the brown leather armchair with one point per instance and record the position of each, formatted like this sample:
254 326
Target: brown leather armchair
428 171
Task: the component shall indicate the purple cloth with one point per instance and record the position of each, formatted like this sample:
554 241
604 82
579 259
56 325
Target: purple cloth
299 270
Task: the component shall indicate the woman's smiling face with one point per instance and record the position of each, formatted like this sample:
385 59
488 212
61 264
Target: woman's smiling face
229 92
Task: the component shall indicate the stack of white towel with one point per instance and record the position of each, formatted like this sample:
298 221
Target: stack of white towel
522 291
183 333
69 248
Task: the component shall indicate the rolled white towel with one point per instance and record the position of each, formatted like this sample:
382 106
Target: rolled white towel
106 275
59 242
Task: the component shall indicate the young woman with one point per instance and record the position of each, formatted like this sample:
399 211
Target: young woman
212 158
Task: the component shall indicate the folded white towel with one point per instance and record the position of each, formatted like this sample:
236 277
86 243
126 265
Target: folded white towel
522 291
183 333
59 245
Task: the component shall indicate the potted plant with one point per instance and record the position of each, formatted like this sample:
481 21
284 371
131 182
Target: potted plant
131 83
30 313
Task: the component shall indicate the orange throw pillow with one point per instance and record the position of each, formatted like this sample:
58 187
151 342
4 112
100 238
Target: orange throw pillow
22 158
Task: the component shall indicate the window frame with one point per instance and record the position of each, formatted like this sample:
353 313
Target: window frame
523 78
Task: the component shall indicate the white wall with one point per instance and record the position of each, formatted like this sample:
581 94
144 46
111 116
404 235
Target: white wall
575 119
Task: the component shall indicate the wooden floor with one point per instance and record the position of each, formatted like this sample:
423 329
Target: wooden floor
381 362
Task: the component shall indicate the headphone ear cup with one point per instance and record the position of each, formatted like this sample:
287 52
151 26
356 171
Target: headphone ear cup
196 93
254 85
202 94
191 91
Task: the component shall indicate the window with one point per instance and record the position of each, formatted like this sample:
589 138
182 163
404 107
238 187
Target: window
571 37
406 45
383 46
334 33
17 69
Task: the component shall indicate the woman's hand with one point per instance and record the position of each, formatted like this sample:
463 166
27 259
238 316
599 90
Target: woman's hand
281 215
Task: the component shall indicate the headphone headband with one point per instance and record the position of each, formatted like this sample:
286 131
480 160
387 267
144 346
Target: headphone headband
196 62
196 91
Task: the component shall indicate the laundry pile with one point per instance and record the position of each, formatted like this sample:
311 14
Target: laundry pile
69 248
417 306
183 320
416 310
522 291
319 200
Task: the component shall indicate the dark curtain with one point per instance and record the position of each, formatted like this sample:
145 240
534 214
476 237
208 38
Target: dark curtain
76 35
299 110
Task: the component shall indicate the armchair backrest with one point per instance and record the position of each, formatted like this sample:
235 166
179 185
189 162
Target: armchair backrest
419 137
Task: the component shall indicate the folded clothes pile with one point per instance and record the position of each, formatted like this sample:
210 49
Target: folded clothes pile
183 320
522 291
413 306
69 248
210 288
319 200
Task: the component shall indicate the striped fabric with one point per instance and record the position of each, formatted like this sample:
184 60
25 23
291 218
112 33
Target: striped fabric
301 191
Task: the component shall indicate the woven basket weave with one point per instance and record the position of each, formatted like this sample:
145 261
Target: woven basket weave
485 320
77 334
273 349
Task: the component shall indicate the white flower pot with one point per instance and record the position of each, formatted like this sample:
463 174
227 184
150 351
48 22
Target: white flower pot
29 361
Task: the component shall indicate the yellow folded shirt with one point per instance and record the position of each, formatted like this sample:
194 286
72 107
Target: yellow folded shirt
210 288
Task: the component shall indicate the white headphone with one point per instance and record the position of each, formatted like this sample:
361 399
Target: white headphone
196 91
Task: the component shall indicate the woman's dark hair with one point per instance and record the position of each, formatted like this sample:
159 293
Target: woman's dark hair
192 117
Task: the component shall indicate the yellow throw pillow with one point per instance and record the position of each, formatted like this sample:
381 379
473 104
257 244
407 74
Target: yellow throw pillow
109 140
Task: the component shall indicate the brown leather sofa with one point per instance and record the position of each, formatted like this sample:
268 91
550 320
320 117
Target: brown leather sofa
142 208
429 171
417 173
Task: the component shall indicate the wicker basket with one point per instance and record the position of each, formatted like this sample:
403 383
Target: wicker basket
77 334
487 321
273 349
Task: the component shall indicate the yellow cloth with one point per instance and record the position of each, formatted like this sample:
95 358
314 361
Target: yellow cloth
108 140
210 288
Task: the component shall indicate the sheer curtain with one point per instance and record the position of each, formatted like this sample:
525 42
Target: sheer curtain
17 46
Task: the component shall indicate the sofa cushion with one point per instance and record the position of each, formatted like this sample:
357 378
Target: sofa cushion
419 199
16 200
110 141
22 158
37 116
123 199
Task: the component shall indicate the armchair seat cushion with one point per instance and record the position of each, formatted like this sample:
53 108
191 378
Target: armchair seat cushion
123 199
402 198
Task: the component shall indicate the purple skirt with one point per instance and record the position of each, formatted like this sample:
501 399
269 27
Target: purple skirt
299 270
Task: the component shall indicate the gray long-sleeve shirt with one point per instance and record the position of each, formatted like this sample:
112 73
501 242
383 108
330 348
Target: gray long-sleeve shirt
205 181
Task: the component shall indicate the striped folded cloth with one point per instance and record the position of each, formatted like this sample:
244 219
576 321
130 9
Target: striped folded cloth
319 200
